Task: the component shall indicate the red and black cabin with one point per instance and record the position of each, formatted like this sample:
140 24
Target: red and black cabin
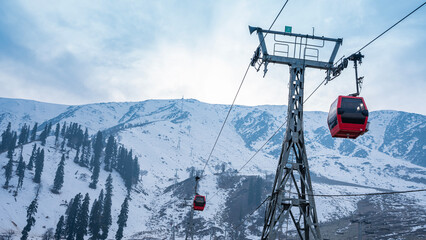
348 117
199 202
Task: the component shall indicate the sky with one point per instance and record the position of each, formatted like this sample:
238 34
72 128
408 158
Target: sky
81 52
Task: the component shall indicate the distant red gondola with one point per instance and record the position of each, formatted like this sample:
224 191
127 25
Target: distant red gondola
199 202
348 117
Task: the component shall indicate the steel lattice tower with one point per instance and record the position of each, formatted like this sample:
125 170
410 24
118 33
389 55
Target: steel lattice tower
293 169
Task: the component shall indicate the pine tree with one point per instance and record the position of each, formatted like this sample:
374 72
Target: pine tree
10 153
92 163
106 211
32 158
23 135
72 213
20 171
58 127
122 218
44 134
118 165
136 170
76 159
12 143
69 205
8 172
83 219
34 132
63 129
59 228
128 171
86 143
67 214
95 217
31 211
39 164
94 227
114 155
49 129
28 134
98 145
108 153
127 166
85 149
6 138
101 199
95 173
86 137
59 176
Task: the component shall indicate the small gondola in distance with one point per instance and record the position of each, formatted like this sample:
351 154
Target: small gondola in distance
348 117
199 202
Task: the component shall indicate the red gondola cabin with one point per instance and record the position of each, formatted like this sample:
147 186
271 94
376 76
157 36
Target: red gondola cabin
348 117
199 202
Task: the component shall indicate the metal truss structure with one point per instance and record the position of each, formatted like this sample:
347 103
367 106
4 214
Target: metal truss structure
298 53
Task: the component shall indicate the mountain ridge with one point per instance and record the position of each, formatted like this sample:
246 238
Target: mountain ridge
172 139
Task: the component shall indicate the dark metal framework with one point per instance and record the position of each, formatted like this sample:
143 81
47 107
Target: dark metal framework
293 169
343 63
357 58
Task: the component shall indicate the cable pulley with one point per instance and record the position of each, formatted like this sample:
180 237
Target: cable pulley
255 58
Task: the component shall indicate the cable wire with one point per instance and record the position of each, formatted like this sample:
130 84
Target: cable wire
402 19
326 195
365 194
270 138
282 125
273 135
325 79
236 95
334 195
320 83
226 118
239 225
279 13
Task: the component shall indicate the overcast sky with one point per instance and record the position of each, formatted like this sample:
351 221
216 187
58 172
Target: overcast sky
79 52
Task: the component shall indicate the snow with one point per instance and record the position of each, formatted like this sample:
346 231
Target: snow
51 206
19 111
171 136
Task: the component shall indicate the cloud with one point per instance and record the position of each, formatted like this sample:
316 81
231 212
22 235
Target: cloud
91 51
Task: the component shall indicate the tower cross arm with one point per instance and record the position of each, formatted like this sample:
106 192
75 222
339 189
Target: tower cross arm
295 61
258 29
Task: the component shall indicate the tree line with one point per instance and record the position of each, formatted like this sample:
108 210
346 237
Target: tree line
92 153
79 222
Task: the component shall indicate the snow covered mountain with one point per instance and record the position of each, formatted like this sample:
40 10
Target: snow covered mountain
172 140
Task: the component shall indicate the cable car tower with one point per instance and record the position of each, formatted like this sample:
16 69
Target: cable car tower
299 52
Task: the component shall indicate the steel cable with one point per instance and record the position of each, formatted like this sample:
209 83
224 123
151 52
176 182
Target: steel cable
236 95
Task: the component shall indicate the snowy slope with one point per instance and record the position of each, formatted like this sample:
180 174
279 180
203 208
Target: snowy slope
20 111
50 206
172 136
